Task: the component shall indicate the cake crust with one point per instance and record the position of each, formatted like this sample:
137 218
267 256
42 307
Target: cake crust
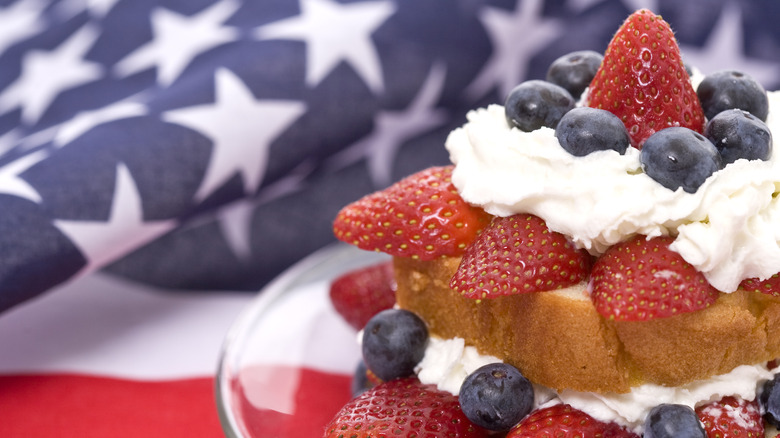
557 338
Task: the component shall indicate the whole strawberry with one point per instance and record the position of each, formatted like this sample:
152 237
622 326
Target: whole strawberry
563 421
358 295
404 408
732 417
643 80
770 286
641 279
421 216
519 254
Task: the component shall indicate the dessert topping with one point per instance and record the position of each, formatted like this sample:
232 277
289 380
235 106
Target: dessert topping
739 134
563 421
729 89
422 216
403 407
534 104
770 286
519 254
360 294
585 130
673 421
678 157
732 417
394 342
574 71
496 396
642 279
643 80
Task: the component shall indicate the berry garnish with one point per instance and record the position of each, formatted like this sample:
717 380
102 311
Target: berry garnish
421 216
394 341
673 421
729 89
641 279
534 104
518 254
585 130
402 407
643 80
770 286
678 157
732 417
496 396
738 134
563 421
574 71
358 295
769 401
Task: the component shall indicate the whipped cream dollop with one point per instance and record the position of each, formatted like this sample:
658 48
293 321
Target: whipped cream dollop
729 229
447 363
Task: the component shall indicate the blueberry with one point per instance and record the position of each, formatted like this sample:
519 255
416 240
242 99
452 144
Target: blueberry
732 89
575 71
394 341
738 134
360 382
673 421
769 400
496 396
584 130
679 157
534 104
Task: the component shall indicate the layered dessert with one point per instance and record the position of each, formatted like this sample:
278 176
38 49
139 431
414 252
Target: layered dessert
613 238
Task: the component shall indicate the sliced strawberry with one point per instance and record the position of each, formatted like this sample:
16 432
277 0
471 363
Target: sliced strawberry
563 421
643 80
732 417
641 279
770 286
421 216
358 295
519 254
402 407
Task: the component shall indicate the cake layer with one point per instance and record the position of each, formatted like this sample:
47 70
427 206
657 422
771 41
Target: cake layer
557 338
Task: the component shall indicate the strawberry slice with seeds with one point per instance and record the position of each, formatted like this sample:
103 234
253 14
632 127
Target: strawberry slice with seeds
770 286
643 81
641 279
421 216
519 254
732 417
403 407
563 421
360 294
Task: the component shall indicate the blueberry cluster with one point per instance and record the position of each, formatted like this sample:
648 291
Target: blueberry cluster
734 103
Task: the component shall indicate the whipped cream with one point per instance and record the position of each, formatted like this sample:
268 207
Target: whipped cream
448 362
729 229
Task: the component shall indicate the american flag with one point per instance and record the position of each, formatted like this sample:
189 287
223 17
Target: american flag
206 145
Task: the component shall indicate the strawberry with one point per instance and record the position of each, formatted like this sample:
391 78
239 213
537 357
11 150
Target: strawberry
402 407
360 294
518 254
732 417
643 81
421 216
563 421
641 279
770 286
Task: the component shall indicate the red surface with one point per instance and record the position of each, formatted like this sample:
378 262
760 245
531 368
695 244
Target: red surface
87 406
315 396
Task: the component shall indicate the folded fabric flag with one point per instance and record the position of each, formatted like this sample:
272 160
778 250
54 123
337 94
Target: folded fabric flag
209 143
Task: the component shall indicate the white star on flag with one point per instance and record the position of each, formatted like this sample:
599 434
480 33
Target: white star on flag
241 129
178 39
333 33
20 21
12 184
516 38
47 74
125 229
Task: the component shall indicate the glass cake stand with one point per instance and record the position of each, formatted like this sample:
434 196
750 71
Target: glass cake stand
286 363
